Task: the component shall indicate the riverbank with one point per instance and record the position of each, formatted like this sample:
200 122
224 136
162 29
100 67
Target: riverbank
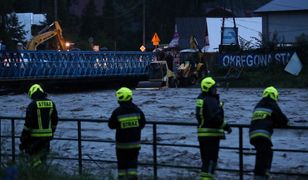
263 77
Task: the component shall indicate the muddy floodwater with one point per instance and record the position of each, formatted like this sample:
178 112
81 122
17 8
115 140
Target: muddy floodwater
170 105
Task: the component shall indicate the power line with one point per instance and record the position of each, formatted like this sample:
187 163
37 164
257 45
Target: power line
291 30
246 27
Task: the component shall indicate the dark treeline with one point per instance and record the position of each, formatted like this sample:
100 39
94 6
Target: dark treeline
120 25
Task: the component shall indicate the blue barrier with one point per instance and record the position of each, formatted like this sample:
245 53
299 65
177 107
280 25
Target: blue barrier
72 64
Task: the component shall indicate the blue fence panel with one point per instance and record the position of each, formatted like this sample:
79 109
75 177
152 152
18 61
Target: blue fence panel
66 64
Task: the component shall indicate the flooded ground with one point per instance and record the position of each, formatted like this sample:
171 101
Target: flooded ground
171 105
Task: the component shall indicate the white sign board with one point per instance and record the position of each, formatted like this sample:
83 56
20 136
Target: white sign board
294 66
229 36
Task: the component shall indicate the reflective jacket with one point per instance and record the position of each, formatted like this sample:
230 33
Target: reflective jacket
40 124
266 116
41 118
210 116
128 120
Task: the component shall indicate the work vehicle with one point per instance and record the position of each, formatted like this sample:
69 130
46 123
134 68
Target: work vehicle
160 76
191 67
53 30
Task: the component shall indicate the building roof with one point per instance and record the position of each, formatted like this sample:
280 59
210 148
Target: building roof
283 5
219 12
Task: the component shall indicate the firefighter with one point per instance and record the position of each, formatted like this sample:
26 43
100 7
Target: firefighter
40 124
266 116
211 126
128 120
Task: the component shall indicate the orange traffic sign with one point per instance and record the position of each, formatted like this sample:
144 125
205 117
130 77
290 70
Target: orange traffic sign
155 40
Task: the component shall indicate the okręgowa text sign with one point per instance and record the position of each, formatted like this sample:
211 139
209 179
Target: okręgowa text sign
254 59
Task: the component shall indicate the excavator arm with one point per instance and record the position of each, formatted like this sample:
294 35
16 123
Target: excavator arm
47 33
60 37
39 39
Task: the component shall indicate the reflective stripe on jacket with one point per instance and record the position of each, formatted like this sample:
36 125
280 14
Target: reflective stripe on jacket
39 117
260 118
210 132
128 120
210 115
130 145
260 133
266 116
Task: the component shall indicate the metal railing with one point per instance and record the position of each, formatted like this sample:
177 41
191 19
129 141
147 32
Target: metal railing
72 64
155 144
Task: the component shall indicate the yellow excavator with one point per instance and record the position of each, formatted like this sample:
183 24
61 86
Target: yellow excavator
53 30
191 68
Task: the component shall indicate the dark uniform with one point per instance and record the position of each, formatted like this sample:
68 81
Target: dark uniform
266 116
40 125
128 120
211 127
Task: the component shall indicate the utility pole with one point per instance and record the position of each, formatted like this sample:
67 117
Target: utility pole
143 23
56 9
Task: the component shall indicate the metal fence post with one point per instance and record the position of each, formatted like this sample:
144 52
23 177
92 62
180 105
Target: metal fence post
79 147
13 139
241 152
154 150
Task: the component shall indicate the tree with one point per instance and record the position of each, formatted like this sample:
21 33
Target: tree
129 23
14 31
122 22
23 6
162 15
120 26
108 22
5 8
89 20
302 46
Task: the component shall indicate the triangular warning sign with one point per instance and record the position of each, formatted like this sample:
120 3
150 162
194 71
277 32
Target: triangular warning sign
155 40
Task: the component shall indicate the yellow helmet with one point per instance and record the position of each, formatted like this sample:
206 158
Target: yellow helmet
271 92
124 94
207 83
34 88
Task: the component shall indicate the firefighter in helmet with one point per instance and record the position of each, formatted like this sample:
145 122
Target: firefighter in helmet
211 126
128 120
40 124
266 116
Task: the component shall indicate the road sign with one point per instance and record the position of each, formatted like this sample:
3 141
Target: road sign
155 40
142 48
